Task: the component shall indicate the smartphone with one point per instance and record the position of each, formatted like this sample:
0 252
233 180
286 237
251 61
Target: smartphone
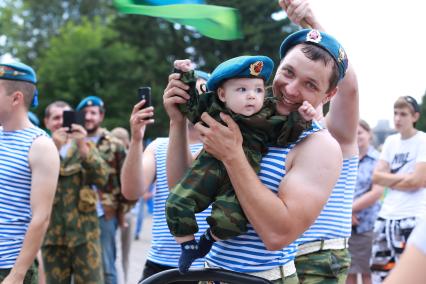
144 93
69 117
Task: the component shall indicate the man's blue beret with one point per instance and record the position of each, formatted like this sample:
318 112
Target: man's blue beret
202 75
18 71
90 101
241 67
321 39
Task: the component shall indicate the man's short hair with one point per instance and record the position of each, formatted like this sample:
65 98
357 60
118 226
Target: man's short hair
60 104
26 88
316 53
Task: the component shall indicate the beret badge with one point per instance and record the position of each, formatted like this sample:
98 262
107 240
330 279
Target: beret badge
314 36
342 55
256 68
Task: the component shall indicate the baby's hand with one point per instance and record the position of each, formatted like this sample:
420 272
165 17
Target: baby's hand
307 111
183 65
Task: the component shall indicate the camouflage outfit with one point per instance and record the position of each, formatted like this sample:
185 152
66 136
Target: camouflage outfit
114 205
71 245
207 181
114 153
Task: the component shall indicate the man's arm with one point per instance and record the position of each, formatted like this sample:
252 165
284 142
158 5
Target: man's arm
44 163
342 118
368 199
278 220
132 172
404 182
179 156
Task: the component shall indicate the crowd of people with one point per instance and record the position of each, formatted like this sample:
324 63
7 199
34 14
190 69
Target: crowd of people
263 185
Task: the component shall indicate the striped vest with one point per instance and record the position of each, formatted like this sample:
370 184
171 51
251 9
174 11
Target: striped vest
335 220
164 248
247 253
15 189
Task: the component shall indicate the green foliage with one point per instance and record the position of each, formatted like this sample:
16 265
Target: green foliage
84 47
87 60
421 124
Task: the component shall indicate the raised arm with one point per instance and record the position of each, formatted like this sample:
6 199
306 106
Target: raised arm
278 220
44 163
342 118
179 157
132 172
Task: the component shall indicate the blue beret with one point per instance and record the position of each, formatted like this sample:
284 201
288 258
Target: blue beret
241 67
90 101
33 118
321 39
202 75
18 71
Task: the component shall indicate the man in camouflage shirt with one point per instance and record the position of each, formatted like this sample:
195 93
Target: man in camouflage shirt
72 243
114 205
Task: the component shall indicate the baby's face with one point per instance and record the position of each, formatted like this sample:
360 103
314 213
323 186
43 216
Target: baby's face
243 95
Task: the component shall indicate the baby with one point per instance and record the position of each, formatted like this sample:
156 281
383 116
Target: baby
236 87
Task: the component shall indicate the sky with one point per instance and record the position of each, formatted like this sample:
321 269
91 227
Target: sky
386 43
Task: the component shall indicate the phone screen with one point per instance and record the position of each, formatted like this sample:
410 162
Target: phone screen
144 93
69 117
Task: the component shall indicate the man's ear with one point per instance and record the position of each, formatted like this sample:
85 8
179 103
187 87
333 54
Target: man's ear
221 94
416 116
330 95
17 98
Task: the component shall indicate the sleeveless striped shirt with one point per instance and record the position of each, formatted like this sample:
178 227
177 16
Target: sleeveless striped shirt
164 249
15 187
335 220
247 253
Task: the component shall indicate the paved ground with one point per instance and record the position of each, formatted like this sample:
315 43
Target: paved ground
138 254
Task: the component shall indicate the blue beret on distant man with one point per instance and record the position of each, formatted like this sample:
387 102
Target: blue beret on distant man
321 39
90 101
17 71
241 67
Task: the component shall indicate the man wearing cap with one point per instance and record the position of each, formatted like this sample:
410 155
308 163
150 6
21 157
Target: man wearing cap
401 168
303 173
322 255
113 204
144 167
29 166
71 248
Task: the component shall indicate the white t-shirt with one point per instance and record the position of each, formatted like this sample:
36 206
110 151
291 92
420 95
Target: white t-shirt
418 236
402 156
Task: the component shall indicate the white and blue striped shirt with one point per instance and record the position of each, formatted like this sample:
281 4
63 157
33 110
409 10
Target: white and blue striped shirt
15 189
335 220
164 248
247 253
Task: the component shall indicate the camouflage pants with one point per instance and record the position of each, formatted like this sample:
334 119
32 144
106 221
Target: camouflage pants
326 266
84 262
31 277
206 183
390 237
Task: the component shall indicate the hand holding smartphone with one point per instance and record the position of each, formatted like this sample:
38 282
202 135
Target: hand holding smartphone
144 93
69 117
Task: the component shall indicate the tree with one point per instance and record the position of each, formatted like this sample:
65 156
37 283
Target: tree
421 124
85 60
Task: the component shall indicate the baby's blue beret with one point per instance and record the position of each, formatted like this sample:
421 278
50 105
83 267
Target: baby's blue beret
90 101
241 67
321 39
18 71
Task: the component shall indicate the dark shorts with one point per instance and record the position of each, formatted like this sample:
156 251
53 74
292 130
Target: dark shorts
390 237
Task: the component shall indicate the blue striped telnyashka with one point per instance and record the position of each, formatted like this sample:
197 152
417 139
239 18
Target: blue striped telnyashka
15 188
247 253
164 249
335 220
